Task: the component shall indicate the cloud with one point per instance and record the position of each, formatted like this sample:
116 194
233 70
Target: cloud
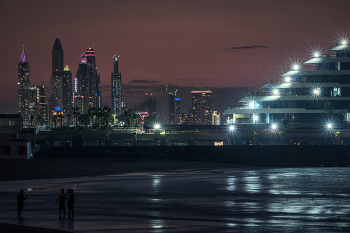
142 81
251 47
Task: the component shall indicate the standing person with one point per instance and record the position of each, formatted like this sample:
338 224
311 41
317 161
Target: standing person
70 202
62 201
20 202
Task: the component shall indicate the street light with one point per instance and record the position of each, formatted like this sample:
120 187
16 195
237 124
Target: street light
274 126
329 126
255 118
157 126
231 128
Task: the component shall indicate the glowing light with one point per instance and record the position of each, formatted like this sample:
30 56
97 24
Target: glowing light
296 67
288 79
231 128
329 126
251 104
255 118
274 126
344 42
275 91
157 126
316 91
317 54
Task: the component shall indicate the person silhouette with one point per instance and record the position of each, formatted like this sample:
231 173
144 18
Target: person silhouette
20 202
70 202
62 201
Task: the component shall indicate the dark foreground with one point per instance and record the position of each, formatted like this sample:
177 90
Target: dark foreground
188 197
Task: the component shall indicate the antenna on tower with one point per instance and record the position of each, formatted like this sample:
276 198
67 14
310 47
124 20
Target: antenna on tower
112 52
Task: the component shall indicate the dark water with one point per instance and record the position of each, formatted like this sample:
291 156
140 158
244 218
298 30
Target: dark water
224 200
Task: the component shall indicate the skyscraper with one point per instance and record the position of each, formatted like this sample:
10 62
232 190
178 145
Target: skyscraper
177 110
66 101
87 87
41 105
61 83
23 88
56 76
116 81
171 109
201 112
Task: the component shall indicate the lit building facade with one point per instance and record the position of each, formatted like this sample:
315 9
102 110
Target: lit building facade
177 110
171 105
316 95
23 88
87 87
216 119
201 112
116 83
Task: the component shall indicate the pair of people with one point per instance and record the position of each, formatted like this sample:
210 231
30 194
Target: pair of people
62 203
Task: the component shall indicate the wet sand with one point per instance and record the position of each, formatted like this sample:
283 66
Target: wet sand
50 168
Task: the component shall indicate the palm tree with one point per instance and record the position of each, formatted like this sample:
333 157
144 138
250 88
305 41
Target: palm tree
106 115
61 116
39 119
135 116
76 113
128 116
54 119
31 117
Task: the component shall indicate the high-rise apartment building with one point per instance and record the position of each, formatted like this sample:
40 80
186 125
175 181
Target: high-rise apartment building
201 112
177 110
41 106
116 81
60 83
23 88
171 113
87 87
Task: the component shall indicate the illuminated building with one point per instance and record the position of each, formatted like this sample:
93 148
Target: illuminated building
87 83
201 112
23 88
41 105
171 109
304 95
216 119
149 106
116 82
66 100
177 110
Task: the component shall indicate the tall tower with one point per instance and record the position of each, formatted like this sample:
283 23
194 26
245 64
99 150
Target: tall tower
56 77
66 92
94 79
23 88
201 112
116 81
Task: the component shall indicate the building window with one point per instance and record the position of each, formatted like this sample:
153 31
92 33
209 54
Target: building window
11 123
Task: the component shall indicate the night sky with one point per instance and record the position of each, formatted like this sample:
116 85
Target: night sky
216 45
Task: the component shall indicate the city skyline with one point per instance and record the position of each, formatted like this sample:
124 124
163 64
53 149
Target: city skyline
189 44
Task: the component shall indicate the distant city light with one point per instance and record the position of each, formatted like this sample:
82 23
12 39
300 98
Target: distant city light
344 42
329 126
296 67
255 118
288 79
251 104
231 128
274 126
316 91
157 126
275 91
317 54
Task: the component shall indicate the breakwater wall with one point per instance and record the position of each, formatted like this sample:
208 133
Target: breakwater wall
327 155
